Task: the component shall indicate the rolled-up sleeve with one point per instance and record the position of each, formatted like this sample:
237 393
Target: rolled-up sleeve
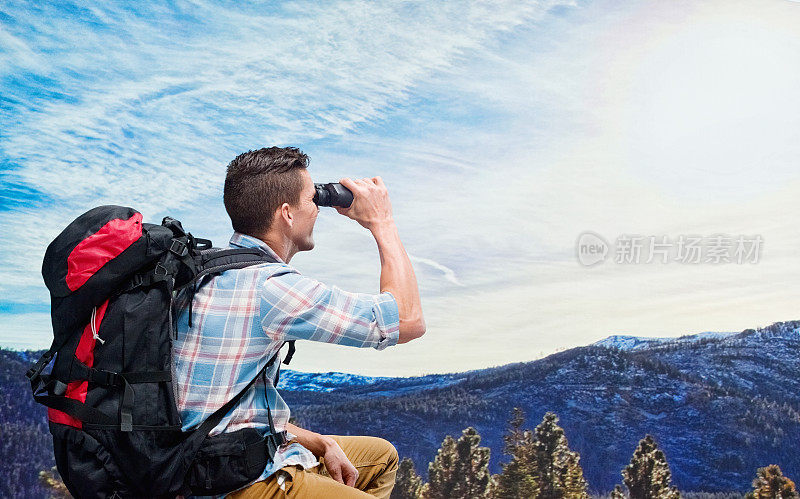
295 307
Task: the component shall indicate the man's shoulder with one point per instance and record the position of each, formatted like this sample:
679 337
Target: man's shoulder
264 269
261 277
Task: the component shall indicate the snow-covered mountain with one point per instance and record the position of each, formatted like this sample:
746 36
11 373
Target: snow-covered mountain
624 342
367 386
321 382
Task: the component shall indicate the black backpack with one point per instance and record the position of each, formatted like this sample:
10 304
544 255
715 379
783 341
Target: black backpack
111 405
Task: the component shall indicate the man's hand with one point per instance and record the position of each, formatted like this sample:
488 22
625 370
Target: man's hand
371 206
339 467
322 446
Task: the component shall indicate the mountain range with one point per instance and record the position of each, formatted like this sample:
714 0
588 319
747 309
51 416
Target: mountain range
720 405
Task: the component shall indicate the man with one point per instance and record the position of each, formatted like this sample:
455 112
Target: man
241 318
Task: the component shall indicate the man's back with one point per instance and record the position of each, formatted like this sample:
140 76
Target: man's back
241 318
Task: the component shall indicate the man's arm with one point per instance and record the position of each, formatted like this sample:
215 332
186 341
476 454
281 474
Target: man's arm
339 467
372 209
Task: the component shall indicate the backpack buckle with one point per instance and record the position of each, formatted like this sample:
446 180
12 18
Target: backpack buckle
179 248
33 372
202 244
37 368
106 378
274 442
281 437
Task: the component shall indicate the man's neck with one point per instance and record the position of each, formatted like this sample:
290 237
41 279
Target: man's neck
280 245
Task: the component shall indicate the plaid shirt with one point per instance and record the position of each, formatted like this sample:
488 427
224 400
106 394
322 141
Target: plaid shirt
241 318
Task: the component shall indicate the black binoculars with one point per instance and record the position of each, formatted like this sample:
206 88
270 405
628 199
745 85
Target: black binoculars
334 194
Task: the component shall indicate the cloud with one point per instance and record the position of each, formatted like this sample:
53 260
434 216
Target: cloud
448 273
502 136
138 105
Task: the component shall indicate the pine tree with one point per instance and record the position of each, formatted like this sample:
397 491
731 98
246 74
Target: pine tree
572 477
557 468
407 485
518 478
617 493
648 476
460 468
51 480
441 470
491 491
549 445
771 484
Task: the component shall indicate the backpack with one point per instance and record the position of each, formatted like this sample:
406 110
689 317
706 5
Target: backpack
110 395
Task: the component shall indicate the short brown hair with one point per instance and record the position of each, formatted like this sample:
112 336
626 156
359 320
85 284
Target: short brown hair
258 183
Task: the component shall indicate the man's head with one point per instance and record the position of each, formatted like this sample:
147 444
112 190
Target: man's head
269 194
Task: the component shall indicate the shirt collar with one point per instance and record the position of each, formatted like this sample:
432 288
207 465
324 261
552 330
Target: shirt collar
239 240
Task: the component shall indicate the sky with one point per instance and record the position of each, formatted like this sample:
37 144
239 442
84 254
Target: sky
504 131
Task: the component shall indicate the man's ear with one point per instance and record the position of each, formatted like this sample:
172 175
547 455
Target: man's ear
285 213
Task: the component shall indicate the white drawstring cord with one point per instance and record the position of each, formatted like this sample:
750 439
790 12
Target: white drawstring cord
94 327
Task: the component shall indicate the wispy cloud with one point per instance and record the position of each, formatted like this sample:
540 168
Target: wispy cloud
503 130
140 105
448 273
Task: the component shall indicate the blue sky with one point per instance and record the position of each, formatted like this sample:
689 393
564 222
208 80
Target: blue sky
503 130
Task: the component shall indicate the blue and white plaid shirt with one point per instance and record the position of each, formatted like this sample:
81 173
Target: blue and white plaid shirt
241 318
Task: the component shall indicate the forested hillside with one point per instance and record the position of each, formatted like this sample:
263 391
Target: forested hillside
719 407
25 443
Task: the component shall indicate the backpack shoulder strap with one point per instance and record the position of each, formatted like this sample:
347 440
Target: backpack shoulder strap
216 261
236 258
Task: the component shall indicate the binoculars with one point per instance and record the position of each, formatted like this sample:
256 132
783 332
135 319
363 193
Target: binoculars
334 194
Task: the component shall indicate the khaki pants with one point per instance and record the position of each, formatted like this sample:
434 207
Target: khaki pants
374 458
